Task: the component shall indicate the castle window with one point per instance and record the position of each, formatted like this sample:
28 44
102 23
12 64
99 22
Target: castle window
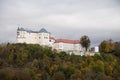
45 37
18 33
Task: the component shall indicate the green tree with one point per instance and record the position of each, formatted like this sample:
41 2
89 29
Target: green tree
58 76
111 43
7 74
98 66
85 42
117 49
76 76
105 46
22 75
34 62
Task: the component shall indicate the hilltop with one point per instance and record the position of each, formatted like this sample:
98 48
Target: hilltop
35 62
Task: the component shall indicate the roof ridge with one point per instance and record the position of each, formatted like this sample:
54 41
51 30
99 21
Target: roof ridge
67 41
42 30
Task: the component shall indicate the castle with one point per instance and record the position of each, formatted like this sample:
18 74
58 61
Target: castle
45 38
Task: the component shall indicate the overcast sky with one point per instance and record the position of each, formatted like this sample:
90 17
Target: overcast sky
71 19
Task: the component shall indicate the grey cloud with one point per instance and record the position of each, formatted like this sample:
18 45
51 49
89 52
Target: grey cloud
99 19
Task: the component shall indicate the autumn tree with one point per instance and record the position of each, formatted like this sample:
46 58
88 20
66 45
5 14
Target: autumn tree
112 45
58 76
34 62
76 76
117 49
105 46
85 42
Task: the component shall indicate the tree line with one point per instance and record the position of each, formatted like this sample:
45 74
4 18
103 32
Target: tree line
111 47
35 62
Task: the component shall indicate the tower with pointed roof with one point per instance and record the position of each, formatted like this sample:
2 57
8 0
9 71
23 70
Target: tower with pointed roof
41 37
45 38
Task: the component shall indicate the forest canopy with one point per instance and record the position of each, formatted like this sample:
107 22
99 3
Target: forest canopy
34 62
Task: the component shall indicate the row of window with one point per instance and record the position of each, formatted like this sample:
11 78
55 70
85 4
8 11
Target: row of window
18 34
44 37
22 36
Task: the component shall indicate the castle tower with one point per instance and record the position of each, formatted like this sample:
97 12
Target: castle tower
41 37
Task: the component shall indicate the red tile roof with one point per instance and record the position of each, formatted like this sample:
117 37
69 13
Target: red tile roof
67 41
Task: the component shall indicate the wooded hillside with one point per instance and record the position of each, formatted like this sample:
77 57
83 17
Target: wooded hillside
34 62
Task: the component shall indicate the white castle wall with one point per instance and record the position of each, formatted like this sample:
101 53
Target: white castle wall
67 46
43 37
28 37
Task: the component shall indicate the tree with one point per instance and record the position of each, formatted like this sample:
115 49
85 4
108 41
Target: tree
7 74
117 49
85 42
76 76
112 45
58 76
105 46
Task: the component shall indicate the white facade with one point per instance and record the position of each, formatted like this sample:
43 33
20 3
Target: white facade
71 46
67 46
33 37
44 38
96 49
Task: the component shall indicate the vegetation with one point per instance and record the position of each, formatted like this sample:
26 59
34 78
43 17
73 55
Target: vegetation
85 42
34 62
108 46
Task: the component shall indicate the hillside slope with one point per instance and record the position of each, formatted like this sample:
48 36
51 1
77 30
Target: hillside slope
34 62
